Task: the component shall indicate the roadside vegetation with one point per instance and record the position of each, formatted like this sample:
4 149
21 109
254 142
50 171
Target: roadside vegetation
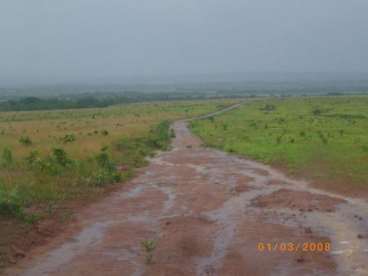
322 138
51 161
51 156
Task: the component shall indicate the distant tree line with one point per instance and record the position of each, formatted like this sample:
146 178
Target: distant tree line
95 100
35 103
104 99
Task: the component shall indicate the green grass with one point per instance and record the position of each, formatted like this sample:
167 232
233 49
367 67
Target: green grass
325 138
47 157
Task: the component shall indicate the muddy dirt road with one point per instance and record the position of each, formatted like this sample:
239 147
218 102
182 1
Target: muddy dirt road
206 212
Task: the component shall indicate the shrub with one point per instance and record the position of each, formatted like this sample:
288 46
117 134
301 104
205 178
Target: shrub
149 246
68 138
134 150
103 160
322 137
316 112
32 157
160 137
268 108
9 203
172 133
60 157
104 132
6 157
104 177
107 172
25 140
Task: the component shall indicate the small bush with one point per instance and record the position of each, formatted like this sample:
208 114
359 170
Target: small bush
32 158
317 111
104 132
104 177
172 133
6 157
68 138
149 246
134 150
9 203
322 137
60 157
107 172
268 108
103 160
25 140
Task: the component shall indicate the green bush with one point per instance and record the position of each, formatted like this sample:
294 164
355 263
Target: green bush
104 161
107 172
104 177
68 138
6 158
54 164
32 158
60 157
10 203
268 108
25 140
134 150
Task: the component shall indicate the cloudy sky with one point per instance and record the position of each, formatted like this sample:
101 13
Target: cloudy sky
82 40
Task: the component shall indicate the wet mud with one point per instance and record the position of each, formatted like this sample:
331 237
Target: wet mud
206 212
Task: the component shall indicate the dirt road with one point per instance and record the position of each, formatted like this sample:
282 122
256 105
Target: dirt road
205 213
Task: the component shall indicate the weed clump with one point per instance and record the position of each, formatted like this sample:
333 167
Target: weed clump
149 246
11 205
60 157
54 164
68 138
104 132
6 158
32 158
317 111
134 150
25 140
268 108
107 171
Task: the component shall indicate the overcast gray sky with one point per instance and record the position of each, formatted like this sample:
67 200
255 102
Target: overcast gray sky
81 40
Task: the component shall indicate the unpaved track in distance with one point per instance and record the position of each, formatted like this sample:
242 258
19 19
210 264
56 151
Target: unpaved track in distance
207 211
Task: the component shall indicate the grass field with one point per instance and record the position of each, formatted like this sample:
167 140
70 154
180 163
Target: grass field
50 156
322 138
